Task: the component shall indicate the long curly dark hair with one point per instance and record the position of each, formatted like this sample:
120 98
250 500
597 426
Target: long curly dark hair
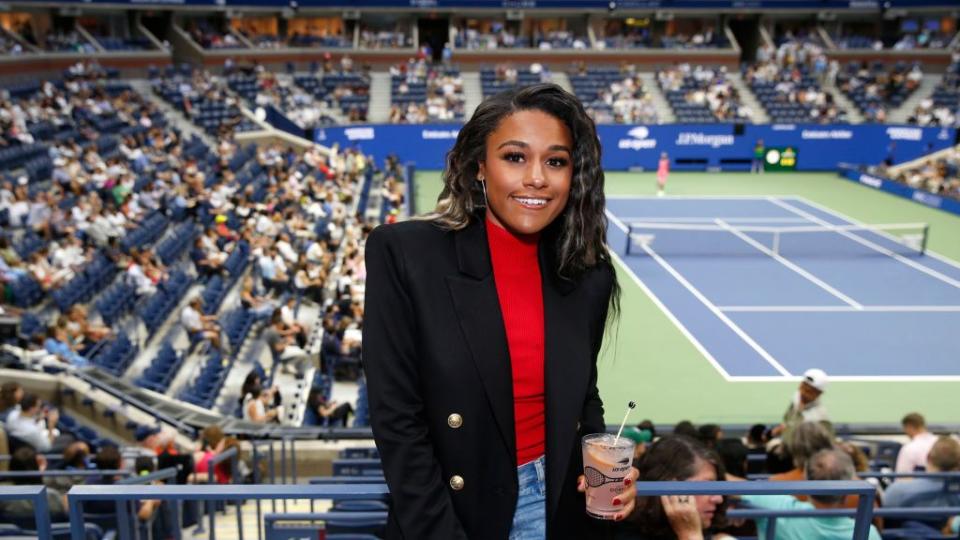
581 239
672 458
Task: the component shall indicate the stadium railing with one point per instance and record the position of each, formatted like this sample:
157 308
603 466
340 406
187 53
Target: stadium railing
37 495
122 493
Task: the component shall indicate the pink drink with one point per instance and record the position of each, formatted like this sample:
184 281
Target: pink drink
605 465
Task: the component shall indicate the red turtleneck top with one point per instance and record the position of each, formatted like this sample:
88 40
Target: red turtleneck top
516 273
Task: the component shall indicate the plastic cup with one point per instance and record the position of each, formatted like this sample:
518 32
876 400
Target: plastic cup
605 464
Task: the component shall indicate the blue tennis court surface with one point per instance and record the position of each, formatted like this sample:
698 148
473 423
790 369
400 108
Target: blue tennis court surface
860 304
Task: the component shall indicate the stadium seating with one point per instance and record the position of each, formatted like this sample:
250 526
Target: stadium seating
162 370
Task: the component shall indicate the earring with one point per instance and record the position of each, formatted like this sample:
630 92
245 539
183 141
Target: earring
483 186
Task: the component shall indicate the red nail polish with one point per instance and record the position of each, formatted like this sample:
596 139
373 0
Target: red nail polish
616 502
627 482
618 517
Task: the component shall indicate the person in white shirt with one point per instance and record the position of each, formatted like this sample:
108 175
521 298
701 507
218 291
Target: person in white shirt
200 326
913 455
33 425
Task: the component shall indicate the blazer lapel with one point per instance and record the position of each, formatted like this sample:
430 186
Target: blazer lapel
481 321
566 371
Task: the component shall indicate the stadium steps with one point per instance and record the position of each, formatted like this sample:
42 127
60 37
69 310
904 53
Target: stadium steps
924 91
175 117
854 116
561 78
379 111
760 115
472 92
650 86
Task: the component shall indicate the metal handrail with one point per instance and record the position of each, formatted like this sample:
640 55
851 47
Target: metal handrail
37 495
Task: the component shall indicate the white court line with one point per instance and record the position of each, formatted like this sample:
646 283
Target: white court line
784 261
853 378
913 264
644 219
706 302
688 197
927 252
683 329
839 309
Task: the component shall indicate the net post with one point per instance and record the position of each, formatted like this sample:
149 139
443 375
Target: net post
626 250
923 241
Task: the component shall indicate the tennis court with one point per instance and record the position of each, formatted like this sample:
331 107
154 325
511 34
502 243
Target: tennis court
767 287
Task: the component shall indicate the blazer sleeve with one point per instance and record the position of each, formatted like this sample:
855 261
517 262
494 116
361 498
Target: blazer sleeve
592 415
421 504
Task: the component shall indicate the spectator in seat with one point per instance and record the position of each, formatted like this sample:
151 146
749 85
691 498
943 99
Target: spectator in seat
944 456
913 455
11 393
801 443
36 425
282 347
335 414
26 459
827 464
200 326
677 517
806 405
255 408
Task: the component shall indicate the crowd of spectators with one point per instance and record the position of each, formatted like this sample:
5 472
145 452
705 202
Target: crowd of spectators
70 41
876 88
497 36
939 175
423 92
384 39
10 46
614 95
704 87
941 108
789 81
210 38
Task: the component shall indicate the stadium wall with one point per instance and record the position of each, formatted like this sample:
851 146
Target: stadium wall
691 147
899 189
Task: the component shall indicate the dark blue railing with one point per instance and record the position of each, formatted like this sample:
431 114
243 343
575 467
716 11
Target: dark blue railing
122 494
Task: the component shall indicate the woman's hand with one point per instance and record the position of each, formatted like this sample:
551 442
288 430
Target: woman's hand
627 499
684 518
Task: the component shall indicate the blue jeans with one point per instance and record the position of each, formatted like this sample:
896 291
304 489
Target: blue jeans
530 518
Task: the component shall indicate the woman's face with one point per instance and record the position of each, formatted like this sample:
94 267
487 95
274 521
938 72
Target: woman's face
706 504
527 170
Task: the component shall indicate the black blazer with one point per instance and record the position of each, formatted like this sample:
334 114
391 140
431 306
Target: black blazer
441 389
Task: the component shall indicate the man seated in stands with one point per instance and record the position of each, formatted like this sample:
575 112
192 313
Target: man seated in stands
20 512
828 464
282 347
944 456
913 455
806 405
800 444
36 425
198 325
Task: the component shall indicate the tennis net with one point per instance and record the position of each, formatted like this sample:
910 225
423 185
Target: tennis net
725 239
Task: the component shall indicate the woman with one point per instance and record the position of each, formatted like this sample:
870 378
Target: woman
255 406
482 376
673 517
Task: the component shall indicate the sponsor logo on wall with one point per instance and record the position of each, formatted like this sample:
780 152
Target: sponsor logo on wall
686 138
638 140
904 133
360 133
871 181
430 134
928 199
826 134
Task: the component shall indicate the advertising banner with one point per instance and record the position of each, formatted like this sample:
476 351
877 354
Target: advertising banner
692 147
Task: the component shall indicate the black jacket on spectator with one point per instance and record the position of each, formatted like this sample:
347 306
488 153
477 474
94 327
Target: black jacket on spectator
435 346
